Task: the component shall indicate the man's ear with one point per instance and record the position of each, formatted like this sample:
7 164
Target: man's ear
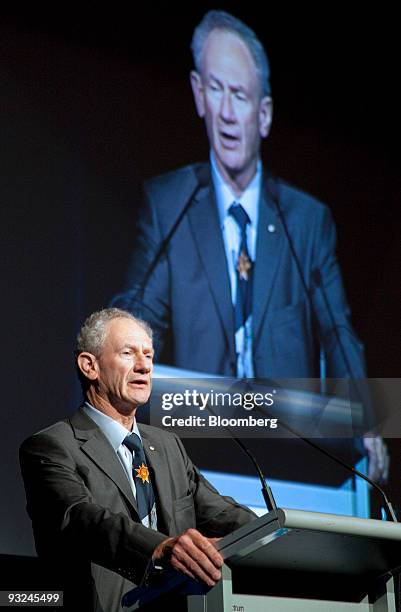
265 116
88 365
198 91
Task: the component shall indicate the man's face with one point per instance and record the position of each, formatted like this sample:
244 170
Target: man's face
228 96
125 365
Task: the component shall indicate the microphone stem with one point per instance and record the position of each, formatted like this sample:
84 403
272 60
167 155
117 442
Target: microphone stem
387 503
266 490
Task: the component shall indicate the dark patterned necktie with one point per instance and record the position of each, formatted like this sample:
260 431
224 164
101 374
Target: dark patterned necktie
244 269
145 497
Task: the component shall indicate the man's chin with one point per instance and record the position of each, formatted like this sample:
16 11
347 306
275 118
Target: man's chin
139 398
130 403
231 163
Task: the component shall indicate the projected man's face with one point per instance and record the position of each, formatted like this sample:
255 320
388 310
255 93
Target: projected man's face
228 96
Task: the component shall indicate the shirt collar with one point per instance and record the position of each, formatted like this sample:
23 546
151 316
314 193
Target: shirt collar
225 197
112 429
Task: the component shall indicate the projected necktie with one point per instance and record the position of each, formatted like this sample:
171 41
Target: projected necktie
244 268
145 497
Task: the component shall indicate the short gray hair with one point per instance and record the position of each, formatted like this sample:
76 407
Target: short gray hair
220 20
92 334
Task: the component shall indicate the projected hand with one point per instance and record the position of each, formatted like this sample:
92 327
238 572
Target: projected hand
378 456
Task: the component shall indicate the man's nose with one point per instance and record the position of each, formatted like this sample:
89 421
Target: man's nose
142 364
226 108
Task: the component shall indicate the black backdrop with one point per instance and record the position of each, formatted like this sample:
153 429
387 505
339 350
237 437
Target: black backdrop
95 102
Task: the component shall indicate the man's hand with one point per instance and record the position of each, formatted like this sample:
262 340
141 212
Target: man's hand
378 456
193 554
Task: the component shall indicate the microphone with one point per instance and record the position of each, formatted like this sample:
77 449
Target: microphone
266 490
389 508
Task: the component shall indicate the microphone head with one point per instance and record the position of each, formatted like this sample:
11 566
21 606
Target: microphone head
202 172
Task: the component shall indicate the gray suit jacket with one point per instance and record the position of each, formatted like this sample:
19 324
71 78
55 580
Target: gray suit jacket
84 514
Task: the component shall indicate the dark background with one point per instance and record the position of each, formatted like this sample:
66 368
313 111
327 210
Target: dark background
93 103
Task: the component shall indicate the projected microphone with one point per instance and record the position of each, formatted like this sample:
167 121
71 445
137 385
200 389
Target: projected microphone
120 300
317 279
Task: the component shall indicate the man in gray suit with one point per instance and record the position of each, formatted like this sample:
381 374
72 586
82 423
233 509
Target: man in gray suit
108 498
236 270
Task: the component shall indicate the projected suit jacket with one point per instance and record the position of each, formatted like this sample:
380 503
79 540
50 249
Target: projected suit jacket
84 514
187 297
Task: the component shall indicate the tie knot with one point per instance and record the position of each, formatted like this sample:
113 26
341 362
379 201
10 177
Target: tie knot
240 215
133 442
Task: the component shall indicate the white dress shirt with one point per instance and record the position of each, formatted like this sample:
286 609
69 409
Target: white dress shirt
116 434
249 200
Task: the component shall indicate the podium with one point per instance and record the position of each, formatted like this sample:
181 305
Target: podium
293 561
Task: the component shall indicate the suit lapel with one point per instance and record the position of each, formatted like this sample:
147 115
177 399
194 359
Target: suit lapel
162 478
269 249
98 449
96 446
206 231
